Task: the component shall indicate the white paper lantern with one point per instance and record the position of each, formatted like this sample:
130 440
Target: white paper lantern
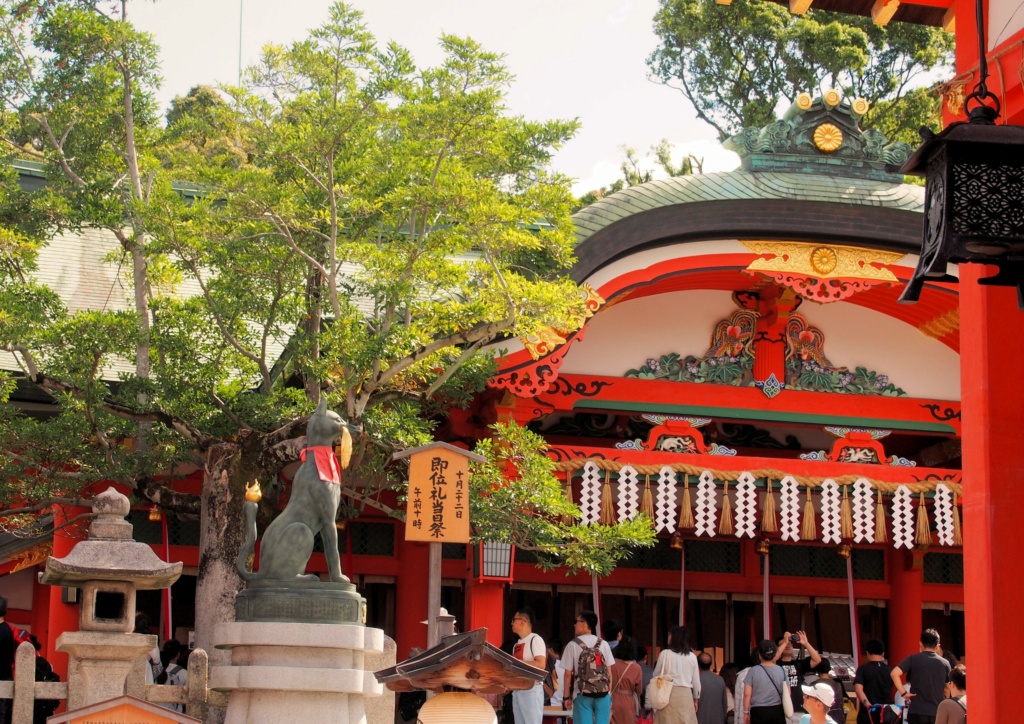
456 707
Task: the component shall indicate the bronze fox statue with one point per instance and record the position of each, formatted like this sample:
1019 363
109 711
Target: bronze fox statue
311 509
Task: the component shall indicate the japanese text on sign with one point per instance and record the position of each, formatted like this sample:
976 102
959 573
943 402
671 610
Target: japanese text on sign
438 507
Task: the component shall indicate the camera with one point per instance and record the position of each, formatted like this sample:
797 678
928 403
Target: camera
795 640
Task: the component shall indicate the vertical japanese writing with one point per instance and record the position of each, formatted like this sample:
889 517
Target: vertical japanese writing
438 495
460 494
417 508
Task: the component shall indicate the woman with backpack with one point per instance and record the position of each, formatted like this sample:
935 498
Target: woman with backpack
626 680
680 663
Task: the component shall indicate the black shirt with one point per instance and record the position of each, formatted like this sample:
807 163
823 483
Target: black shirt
6 652
876 678
795 671
927 673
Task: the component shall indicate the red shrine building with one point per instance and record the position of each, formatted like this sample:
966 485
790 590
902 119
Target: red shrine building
748 380
813 454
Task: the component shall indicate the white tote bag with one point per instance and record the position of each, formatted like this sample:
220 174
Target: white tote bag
659 689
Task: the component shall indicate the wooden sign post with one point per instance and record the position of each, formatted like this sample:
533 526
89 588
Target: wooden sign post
437 510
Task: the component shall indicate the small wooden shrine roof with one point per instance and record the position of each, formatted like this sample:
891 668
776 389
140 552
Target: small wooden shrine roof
462 661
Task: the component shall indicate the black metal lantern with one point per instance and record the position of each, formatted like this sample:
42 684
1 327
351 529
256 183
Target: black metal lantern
974 203
974 192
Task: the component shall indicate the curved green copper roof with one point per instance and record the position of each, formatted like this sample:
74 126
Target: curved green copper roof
742 185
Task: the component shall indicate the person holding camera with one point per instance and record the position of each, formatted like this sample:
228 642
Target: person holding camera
796 668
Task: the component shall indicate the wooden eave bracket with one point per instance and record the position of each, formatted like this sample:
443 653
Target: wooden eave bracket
883 10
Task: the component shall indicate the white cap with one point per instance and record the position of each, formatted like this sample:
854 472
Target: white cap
822 692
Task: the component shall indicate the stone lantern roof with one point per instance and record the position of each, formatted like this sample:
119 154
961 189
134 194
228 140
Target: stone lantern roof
110 553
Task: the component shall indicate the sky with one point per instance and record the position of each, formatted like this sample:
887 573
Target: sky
580 59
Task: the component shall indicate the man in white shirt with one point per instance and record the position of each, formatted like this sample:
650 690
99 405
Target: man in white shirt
528 705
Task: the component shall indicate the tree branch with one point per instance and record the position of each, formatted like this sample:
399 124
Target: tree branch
52 385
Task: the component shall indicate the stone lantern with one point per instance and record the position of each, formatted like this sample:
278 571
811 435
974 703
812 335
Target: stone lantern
109 567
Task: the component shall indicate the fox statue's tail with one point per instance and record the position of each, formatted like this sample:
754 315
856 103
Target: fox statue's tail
242 563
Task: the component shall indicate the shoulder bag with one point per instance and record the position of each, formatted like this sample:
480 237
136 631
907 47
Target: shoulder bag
659 689
786 696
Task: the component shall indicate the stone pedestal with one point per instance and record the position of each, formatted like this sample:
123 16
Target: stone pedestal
99 662
307 602
283 672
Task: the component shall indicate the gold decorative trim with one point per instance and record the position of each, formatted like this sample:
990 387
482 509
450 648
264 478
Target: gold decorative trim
546 340
939 327
828 137
953 94
32 556
824 259
813 259
860 106
832 97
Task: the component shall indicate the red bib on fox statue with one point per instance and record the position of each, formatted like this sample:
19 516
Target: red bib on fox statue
326 463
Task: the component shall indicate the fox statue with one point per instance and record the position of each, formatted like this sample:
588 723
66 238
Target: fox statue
311 509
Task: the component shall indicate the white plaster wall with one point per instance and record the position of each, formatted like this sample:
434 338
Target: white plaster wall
623 336
1005 18
17 589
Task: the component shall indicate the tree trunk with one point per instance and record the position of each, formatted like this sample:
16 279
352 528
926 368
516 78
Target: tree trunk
221 537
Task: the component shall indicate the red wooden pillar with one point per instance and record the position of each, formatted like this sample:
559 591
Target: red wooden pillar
485 609
63 616
992 393
41 610
411 597
906 579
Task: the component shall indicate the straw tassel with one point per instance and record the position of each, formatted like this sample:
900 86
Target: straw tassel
769 518
725 525
567 519
647 502
686 509
924 533
958 537
607 505
810 529
880 536
846 516
343 450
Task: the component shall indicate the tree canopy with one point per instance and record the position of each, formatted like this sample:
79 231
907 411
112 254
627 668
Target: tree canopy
345 223
735 63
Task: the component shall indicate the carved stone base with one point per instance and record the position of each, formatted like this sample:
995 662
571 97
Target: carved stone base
290 672
99 662
323 602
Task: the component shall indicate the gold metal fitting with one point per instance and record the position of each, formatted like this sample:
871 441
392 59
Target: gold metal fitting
763 547
844 550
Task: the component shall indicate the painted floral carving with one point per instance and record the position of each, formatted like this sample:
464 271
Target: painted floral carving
730 361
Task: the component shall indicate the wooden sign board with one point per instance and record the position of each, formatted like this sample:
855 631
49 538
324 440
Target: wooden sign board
437 510
122 710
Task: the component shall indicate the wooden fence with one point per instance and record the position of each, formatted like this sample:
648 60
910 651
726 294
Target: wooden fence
195 695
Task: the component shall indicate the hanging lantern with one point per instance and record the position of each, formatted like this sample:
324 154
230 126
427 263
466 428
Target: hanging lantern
155 515
493 561
974 192
675 542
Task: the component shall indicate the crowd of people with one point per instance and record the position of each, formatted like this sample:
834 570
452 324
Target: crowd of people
606 680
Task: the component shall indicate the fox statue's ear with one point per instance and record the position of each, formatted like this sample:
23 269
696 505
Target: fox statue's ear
321 409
